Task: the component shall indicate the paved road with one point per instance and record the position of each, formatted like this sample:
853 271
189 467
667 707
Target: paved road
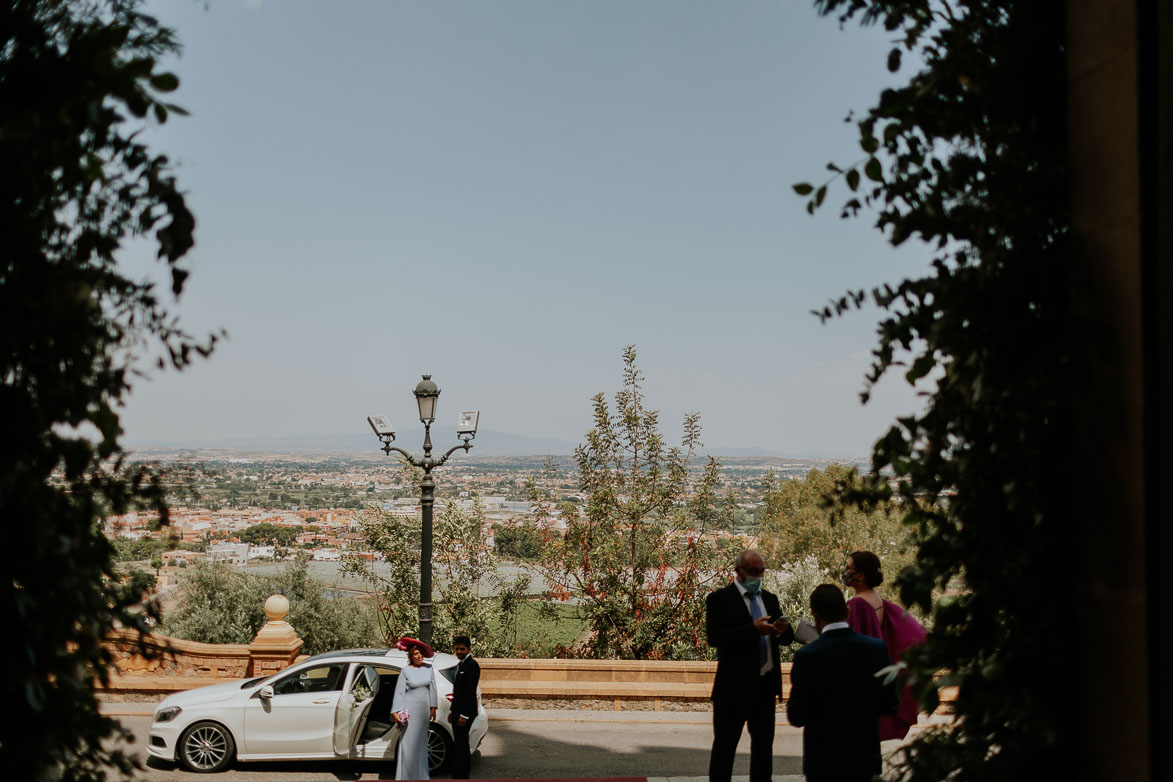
529 744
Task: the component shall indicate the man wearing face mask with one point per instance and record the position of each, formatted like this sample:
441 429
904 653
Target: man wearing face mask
744 623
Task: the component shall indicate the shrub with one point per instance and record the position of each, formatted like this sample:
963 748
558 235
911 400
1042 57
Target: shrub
225 606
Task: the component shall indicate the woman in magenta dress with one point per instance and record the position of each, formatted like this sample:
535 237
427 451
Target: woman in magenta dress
870 614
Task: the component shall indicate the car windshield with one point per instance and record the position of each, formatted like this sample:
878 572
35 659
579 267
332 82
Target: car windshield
449 671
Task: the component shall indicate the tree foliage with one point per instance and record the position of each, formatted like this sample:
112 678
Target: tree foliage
77 83
793 584
471 595
800 519
220 605
971 162
139 581
134 549
267 534
516 541
641 558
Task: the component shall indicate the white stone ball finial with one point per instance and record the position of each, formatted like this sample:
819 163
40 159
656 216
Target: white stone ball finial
276 608
276 631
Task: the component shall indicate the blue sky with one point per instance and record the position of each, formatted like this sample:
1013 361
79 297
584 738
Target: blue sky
505 194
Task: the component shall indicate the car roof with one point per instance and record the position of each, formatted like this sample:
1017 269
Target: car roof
349 653
440 660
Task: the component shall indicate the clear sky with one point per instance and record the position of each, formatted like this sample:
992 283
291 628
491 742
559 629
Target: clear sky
504 194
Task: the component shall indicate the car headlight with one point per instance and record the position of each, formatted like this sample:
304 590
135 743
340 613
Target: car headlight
167 714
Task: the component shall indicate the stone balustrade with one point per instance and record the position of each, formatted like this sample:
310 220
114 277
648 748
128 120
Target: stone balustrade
175 664
147 667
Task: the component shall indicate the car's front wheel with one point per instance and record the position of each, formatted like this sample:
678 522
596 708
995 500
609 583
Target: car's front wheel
206 747
439 748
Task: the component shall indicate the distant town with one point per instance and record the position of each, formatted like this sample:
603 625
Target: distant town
250 507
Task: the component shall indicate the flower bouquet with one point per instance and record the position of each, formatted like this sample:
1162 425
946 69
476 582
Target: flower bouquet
403 715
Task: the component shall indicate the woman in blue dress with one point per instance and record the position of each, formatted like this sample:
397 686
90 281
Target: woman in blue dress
415 695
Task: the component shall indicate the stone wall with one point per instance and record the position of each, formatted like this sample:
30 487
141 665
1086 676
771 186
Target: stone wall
151 666
174 657
638 685
634 685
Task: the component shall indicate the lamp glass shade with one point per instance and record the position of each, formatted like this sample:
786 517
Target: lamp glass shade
426 393
427 408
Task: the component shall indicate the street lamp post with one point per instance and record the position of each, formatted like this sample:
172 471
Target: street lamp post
426 394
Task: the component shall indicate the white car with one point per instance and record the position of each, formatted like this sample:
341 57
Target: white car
335 705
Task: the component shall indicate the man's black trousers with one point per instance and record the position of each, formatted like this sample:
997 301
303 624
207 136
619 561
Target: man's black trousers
460 753
730 714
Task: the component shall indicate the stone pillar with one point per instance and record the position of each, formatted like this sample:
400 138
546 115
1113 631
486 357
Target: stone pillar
276 645
1109 421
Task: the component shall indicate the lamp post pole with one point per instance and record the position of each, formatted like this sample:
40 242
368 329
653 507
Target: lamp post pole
426 394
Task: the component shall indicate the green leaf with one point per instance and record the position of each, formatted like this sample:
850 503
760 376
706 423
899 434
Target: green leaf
137 104
139 67
894 60
874 170
869 143
820 195
921 367
165 82
853 179
802 188
835 168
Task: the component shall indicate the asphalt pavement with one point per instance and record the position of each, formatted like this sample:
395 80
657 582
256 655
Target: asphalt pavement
530 744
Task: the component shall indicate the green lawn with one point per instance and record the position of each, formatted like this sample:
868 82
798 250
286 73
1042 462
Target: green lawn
543 627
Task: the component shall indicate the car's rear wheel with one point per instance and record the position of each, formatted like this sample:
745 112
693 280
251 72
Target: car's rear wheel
206 747
439 748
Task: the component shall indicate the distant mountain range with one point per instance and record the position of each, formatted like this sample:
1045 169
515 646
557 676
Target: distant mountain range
443 438
487 443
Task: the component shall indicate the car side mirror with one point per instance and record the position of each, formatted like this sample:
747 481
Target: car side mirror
266 692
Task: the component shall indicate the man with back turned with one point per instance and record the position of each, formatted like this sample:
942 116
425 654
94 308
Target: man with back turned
836 696
745 625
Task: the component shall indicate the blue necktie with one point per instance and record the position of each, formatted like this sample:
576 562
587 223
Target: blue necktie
755 607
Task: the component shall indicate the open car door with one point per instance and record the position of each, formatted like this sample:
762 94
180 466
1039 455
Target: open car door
351 712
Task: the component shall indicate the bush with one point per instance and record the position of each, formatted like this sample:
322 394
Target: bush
793 584
516 542
223 606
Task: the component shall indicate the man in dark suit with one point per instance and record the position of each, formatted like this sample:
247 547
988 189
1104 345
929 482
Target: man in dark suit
836 696
464 704
746 626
